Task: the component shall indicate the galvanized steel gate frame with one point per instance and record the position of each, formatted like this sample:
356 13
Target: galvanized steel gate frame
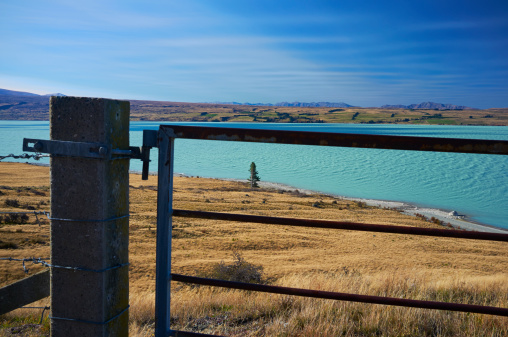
165 143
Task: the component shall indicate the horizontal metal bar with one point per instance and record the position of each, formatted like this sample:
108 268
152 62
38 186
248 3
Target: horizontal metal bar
177 333
119 152
340 139
66 148
343 296
342 225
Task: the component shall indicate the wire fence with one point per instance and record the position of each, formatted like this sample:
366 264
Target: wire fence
20 218
34 260
35 156
44 261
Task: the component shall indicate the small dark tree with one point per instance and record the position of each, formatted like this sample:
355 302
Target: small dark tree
254 178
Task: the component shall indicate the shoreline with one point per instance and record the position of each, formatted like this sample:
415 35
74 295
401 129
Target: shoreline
457 221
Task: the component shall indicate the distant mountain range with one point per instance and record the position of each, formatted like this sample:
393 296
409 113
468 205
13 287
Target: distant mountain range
296 104
424 105
5 92
10 94
428 106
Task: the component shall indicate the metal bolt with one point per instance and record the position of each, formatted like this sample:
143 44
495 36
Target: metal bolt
103 150
38 146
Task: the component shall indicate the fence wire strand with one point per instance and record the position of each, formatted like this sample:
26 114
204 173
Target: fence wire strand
34 260
43 311
35 156
35 213
42 261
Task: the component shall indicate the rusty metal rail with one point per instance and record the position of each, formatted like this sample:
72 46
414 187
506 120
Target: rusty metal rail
177 333
448 233
167 135
343 296
457 145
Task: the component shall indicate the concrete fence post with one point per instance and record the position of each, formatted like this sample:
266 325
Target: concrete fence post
89 226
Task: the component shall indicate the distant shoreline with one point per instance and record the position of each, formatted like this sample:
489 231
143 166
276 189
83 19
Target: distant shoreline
458 222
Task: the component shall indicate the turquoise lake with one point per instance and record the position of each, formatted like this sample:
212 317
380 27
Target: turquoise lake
472 184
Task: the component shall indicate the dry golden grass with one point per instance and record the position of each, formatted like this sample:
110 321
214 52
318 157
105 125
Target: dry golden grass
37 108
206 112
237 313
441 269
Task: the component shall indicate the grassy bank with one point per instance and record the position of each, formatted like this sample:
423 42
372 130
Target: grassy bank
439 269
37 108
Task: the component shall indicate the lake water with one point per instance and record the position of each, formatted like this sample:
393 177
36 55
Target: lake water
472 184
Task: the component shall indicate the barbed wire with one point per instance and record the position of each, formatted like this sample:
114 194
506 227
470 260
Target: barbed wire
35 213
41 261
38 156
92 322
34 260
48 215
35 156
28 212
38 260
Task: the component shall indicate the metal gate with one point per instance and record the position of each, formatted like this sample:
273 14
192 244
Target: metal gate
165 211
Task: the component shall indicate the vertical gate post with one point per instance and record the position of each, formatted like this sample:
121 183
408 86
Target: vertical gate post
89 223
164 234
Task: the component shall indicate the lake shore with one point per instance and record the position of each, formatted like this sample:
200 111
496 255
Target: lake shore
457 221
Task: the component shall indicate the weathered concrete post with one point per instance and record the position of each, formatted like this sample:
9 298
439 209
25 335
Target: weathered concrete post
89 226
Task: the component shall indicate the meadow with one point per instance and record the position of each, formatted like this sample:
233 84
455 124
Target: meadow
426 268
203 112
37 109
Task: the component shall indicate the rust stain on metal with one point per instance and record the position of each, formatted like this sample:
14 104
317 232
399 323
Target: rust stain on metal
343 296
342 139
342 225
223 136
250 138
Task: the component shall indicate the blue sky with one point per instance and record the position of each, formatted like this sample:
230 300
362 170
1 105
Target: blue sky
363 52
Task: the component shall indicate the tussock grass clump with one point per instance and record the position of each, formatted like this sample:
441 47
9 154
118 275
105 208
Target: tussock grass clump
14 219
7 245
239 271
12 202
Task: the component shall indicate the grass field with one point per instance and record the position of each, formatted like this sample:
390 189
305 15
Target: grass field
440 269
38 109
202 112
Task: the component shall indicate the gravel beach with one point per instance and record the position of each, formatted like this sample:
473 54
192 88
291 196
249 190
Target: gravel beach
457 220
